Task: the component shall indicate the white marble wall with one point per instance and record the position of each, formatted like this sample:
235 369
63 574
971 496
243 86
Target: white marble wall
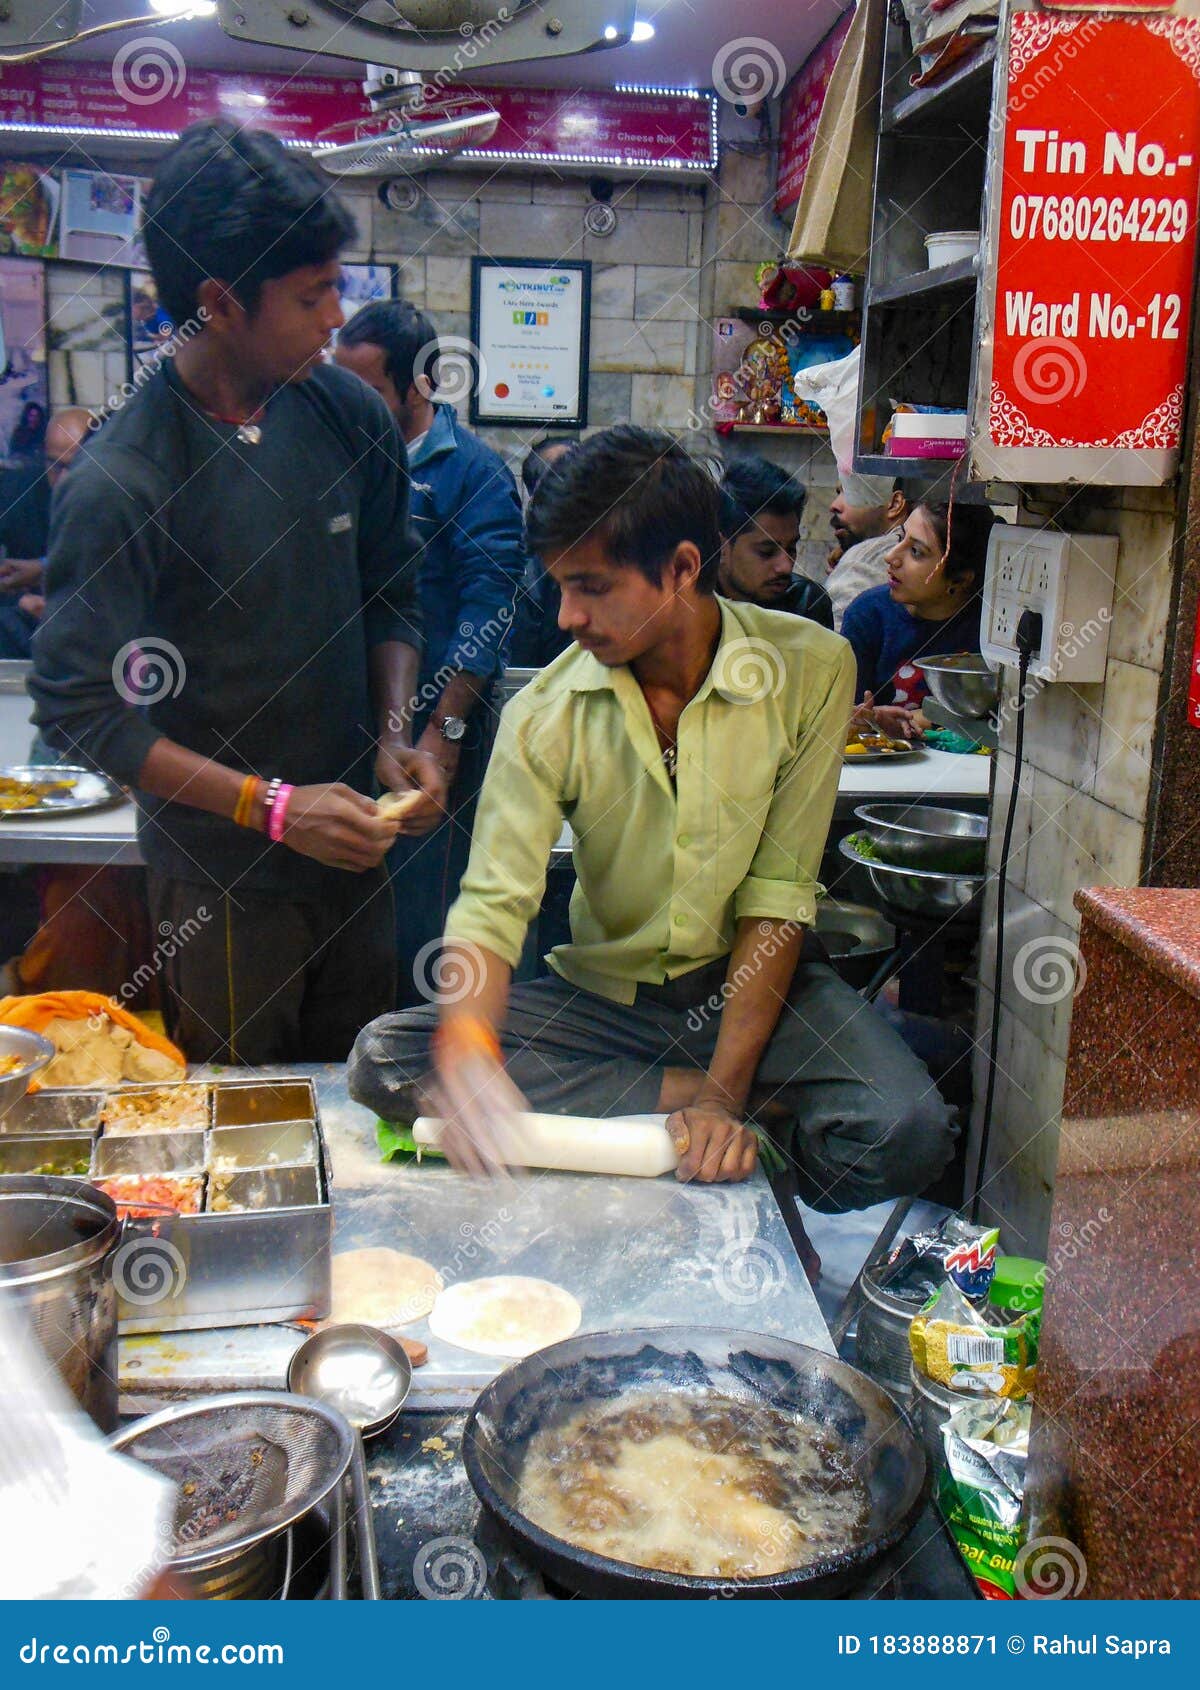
1081 820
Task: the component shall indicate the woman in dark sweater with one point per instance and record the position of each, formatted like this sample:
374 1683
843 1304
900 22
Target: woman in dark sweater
929 606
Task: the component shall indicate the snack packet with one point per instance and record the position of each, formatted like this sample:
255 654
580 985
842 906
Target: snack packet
952 1343
981 1486
957 1251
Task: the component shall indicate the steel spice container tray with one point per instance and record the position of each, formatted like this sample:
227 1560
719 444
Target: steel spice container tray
253 1157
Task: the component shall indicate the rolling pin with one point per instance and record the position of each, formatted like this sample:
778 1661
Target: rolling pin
636 1144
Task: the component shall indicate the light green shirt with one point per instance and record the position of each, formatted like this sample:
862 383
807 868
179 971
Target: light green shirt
663 873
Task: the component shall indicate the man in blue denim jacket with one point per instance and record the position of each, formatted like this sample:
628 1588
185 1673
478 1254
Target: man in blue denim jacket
466 523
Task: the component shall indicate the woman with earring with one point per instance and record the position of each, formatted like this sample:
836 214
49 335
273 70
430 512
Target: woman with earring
928 607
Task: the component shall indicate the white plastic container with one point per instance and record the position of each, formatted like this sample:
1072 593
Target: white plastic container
950 245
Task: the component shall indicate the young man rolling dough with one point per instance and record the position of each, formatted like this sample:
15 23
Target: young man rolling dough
694 746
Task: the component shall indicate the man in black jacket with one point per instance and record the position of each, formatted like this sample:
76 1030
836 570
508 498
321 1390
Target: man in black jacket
761 507
231 623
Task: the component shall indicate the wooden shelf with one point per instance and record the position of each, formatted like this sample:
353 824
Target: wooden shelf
963 273
843 322
881 463
780 428
961 99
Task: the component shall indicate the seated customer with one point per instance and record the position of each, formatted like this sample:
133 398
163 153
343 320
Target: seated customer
700 803
761 507
865 517
929 607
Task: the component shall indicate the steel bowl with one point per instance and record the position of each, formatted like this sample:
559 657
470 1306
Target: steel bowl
925 836
963 685
908 893
359 1370
856 938
35 1052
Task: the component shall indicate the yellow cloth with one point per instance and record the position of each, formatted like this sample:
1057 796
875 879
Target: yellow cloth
663 877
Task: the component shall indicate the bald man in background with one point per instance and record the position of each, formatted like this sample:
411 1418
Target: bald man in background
21 578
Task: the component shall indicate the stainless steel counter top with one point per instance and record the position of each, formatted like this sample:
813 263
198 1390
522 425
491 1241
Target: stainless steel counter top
635 1252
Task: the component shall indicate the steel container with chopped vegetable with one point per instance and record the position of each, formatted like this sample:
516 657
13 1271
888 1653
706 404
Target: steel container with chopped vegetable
222 1186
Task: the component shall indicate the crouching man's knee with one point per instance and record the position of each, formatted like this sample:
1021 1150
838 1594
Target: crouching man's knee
389 1061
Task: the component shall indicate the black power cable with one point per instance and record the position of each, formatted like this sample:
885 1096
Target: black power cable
1029 639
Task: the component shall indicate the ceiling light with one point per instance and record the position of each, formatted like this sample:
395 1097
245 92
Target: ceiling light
642 31
610 33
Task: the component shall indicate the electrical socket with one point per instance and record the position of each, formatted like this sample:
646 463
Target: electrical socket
1068 580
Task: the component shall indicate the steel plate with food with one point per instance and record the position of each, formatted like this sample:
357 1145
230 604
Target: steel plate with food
176 1108
52 789
866 746
683 1461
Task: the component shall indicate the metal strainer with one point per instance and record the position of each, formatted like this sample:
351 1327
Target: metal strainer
246 1466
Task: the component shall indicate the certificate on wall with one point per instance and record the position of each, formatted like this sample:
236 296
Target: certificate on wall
529 322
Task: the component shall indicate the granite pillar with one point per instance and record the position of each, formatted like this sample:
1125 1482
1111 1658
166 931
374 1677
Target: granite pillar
1115 1455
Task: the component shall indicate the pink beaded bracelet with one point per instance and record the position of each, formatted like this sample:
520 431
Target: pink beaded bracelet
277 815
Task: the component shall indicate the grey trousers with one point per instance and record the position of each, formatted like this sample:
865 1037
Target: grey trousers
865 1121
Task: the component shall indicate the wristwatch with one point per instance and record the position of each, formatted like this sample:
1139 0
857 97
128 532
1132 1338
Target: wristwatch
451 728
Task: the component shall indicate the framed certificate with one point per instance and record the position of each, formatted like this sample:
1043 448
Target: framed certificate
529 321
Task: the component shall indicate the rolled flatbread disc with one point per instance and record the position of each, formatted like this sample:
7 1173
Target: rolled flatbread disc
506 1316
396 805
381 1287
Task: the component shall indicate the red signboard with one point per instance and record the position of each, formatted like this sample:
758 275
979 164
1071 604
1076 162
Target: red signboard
158 95
802 101
1097 232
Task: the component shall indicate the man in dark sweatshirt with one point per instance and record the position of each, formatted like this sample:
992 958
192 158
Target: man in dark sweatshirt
231 624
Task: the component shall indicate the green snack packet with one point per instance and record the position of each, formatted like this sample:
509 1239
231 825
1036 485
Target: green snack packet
980 1488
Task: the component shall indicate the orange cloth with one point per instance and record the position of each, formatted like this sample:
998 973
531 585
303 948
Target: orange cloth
36 1012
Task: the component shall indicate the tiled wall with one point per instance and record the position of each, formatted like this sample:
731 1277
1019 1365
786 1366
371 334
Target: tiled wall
1081 820
679 256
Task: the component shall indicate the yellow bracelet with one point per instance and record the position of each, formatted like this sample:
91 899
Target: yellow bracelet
245 803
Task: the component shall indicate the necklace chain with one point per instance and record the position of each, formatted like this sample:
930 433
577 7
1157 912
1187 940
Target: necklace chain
670 749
